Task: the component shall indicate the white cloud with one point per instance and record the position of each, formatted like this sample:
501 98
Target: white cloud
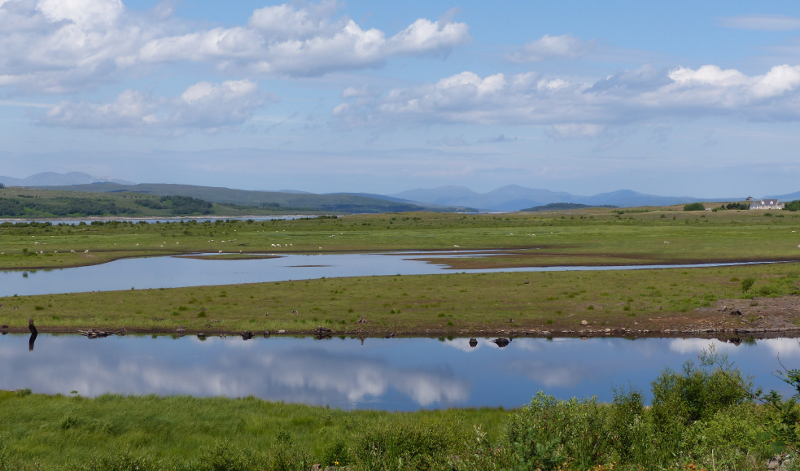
205 106
60 46
762 22
551 47
583 108
305 41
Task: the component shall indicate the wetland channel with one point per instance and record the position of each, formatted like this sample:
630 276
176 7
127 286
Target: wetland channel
184 271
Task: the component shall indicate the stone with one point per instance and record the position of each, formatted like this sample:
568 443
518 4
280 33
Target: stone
584 322
501 342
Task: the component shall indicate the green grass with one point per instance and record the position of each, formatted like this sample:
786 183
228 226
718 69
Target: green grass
422 305
59 430
596 237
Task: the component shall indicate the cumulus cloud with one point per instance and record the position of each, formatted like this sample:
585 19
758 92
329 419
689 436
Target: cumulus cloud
64 45
762 22
550 47
584 108
203 106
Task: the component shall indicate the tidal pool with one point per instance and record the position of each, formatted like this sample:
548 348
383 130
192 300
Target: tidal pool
391 374
180 271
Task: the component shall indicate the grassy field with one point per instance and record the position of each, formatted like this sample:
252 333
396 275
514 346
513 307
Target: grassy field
56 431
591 237
450 304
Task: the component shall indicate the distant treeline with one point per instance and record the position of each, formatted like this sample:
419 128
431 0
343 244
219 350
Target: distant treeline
179 205
744 205
61 207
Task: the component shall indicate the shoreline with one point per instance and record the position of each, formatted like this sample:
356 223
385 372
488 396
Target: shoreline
726 333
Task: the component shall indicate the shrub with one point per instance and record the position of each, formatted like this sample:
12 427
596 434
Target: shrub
549 432
223 456
681 399
407 445
747 283
694 207
792 205
336 453
122 462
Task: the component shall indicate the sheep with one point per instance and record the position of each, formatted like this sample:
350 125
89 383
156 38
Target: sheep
220 252
35 243
86 251
71 251
456 246
666 243
56 251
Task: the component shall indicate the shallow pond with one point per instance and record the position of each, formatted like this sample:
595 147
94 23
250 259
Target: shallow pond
390 374
179 271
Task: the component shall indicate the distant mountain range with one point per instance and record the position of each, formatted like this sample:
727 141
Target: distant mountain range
515 198
285 201
59 179
444 198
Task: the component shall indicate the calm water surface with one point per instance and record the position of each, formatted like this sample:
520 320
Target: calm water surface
389 374
176 272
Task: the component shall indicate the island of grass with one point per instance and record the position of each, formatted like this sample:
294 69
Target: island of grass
730 301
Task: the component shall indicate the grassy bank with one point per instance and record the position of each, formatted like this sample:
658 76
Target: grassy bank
451 304
701 418
591 237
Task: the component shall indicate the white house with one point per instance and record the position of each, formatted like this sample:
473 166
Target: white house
767 204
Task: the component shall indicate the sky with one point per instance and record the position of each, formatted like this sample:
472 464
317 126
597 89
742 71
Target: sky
670 98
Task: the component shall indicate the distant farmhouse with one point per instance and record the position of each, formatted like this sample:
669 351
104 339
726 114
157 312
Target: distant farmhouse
767 204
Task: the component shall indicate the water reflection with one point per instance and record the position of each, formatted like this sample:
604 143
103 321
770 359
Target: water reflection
394 374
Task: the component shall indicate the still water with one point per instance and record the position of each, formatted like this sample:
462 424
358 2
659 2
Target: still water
389 374
177 272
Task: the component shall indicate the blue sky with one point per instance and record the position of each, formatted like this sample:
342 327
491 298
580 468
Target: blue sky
673 98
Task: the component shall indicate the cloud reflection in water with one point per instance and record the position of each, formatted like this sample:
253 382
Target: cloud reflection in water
393 374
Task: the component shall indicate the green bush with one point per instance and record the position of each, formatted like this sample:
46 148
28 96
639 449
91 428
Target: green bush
407 445
792 205
549 432
747 283
731 437
122 462
694 207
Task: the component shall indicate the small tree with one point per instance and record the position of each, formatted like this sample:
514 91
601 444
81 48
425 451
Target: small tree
792 205
694 207
2 186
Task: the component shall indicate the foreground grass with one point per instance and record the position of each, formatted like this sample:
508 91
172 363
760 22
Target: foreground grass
57 430
593 237
429 304
701 418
